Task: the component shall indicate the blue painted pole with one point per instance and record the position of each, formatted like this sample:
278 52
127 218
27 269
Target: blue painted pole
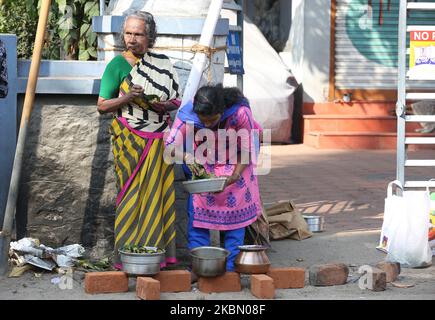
8 117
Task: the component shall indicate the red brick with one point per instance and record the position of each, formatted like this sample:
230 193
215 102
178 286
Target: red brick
391 269
376 280
328 274
174 280
106 282
262 286
147 288
287 278
229 282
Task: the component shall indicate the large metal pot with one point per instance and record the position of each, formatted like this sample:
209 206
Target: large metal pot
252 259
141 263
209 261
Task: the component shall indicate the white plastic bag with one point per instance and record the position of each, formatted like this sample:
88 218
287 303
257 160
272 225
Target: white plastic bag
405 228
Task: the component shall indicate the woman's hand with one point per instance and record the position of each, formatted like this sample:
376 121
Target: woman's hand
159 107
232 179
189 159
162 107
236 174
135 91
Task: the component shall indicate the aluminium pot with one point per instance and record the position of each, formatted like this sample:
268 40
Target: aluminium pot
141 263
315 223
209 261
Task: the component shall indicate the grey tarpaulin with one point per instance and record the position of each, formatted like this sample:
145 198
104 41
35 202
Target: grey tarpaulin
266 83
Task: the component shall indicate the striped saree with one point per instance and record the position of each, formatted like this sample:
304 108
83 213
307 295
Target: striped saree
145 206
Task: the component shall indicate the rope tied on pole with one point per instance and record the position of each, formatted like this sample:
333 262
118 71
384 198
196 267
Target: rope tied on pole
196 48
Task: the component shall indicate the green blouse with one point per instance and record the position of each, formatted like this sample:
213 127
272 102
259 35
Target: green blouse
115 72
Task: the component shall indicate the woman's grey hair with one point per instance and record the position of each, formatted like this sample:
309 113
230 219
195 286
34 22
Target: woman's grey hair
150 25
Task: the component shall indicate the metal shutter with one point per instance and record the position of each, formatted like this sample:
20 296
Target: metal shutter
366 49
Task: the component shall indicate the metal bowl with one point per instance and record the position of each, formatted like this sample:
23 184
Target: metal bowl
315 223
252 259
205 185
141 263
209 261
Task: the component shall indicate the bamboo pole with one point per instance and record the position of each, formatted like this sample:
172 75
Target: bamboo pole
5 234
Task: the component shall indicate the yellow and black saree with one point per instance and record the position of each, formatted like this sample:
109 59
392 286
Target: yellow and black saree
145 206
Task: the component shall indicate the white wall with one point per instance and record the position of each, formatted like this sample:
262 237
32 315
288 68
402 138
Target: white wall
307 50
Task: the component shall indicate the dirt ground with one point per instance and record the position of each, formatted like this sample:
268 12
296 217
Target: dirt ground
353 248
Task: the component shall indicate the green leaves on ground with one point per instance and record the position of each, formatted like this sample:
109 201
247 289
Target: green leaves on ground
100 265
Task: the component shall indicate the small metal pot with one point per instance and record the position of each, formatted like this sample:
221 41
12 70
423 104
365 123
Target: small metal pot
315 223
209 261
141 263
252 259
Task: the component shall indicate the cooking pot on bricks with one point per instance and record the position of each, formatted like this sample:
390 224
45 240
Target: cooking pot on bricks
142 263
252 259
209 261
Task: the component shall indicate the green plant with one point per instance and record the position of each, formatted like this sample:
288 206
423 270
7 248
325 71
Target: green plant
69 33
75 28
20 18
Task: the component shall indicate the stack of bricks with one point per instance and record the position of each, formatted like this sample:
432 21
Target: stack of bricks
262 286
147 288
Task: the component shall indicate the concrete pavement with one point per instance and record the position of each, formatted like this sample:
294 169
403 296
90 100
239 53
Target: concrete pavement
346 187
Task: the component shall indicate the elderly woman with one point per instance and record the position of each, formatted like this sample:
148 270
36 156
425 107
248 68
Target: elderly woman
222 115
140 87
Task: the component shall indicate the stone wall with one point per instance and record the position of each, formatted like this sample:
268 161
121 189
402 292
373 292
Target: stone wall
67 191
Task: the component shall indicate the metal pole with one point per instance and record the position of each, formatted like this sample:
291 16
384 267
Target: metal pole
401 94
200 58
102 7
240 18
5 234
